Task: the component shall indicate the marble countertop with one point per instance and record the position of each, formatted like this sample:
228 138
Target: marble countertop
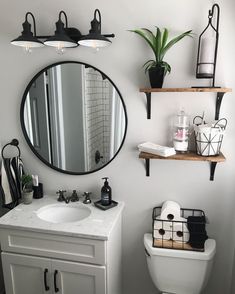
98 225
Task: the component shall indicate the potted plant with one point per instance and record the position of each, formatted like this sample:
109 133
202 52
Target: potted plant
158 42
27 188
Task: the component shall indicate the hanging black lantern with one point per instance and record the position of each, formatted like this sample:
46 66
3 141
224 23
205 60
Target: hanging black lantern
208 46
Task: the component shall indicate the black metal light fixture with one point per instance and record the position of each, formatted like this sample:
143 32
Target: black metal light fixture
61 38
28 40
95 39
208 47
64 37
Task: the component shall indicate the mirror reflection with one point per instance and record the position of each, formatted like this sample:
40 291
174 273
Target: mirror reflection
73 117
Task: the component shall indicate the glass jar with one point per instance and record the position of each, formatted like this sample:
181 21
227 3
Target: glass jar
181 131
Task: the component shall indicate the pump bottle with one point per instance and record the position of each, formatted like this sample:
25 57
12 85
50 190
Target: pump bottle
106 193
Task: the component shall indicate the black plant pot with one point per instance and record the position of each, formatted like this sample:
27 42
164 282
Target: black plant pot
156 76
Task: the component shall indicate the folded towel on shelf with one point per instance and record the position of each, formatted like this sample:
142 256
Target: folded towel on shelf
156 149
197 230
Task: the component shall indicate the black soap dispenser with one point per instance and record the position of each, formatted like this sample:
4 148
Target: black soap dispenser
106 193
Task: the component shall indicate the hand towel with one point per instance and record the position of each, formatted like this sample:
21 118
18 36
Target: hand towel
197 230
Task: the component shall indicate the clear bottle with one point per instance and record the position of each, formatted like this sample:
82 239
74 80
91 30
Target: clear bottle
181 131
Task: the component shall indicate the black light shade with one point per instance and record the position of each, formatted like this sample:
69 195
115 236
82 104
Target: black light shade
61 39
27 38
95 39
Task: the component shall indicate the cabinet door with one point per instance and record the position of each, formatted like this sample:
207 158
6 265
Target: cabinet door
26 274
78 278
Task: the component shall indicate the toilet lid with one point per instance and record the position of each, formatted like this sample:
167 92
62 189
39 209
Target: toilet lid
208 254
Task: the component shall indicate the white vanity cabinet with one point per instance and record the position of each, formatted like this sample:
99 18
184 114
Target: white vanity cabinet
35 275
78 258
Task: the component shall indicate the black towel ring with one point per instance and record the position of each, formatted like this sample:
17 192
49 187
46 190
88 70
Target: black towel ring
15 143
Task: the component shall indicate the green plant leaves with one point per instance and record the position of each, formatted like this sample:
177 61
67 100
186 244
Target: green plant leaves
158 44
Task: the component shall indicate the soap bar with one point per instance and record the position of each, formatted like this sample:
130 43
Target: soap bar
156 149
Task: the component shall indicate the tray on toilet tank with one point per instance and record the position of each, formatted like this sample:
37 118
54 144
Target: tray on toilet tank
187 231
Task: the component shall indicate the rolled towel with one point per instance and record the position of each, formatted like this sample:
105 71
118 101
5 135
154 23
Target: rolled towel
180 231
197 230
162 229
170 211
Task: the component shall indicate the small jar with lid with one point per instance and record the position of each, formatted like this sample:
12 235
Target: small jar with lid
181 126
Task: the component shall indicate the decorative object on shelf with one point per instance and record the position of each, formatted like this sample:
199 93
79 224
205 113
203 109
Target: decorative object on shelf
10 180
209 136
208 47
27 188
159 44
64 37
181 125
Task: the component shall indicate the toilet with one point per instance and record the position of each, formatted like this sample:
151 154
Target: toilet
179 271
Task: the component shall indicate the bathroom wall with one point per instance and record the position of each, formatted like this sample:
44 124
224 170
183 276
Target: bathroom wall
186 182
98 117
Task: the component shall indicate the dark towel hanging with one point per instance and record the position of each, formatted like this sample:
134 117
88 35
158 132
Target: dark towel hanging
11 173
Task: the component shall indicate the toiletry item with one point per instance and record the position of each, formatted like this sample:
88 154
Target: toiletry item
180 230
156 149
162 229
38 191
35 180
181 131
106 193
170 211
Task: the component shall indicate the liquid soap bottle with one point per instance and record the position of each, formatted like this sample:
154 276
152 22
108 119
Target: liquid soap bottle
106 193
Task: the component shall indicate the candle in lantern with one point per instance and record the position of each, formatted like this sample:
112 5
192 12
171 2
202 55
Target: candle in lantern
207 51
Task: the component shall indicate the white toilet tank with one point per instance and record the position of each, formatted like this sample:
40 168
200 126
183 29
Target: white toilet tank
179 271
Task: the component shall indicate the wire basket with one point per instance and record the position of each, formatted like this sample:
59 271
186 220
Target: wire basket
184 235
209 137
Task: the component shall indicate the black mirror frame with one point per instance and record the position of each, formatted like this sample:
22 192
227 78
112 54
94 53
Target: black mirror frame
25 132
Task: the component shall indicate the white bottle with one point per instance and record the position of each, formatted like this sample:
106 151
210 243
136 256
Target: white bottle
181 131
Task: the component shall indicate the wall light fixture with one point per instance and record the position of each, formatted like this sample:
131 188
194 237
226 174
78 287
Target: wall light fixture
64 36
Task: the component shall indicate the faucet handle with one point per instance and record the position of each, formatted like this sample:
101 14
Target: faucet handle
61 195
74 197
87 199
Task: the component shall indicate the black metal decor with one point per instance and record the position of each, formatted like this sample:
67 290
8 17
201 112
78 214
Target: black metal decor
95 36
27 37
206 68
63 33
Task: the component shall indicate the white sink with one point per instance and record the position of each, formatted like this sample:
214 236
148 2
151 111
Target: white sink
63 213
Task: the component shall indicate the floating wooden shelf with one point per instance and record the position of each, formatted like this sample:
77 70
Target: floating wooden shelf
213 160
220 93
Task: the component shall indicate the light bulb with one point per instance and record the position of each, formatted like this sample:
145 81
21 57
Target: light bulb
60 49
27 48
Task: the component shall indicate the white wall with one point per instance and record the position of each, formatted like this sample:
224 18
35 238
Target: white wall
185 182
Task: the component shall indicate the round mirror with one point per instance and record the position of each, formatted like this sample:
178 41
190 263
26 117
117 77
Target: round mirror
73 117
